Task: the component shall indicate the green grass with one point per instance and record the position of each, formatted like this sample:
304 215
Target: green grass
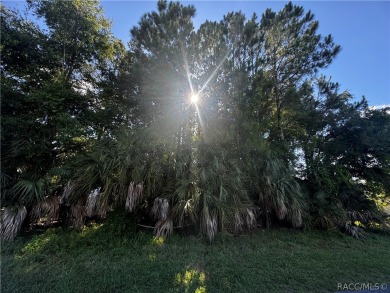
114 258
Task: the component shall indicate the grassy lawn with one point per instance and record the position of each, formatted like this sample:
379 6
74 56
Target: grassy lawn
114 258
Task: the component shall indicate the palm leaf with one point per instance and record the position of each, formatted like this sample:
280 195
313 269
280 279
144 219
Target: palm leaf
160 209
12 218
134 196
30 191
49 208
92 201
77 215
163 227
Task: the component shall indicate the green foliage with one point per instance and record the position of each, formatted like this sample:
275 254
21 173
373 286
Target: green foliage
292 52
211 187
49 93
342 152
78 32
222 194
89 128
274 189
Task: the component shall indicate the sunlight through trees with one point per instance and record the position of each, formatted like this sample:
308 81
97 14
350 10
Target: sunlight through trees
228 127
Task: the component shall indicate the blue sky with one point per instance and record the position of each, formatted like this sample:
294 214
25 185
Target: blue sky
362 28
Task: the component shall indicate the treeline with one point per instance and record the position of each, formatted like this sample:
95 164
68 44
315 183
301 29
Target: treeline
89 127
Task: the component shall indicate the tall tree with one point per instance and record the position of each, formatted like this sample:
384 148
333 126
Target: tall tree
292 50
50 94
78 32
159 43
344 153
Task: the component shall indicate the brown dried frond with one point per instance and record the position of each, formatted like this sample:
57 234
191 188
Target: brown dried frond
130 200
49 208
296 218
11 221
102 207
238 222
134 195
77 215
97 204
354 231
244 220
68 189
163 228
250 219
91 203
281 211
160 209
210 225
361 216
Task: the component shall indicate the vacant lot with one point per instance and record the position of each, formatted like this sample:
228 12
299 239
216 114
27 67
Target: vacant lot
116 258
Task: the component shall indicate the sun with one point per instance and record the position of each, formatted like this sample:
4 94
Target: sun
194 98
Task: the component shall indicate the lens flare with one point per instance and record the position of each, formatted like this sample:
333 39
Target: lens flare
194 98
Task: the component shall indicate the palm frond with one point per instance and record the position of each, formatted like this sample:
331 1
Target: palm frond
354 231
281 210
221 199
49 208
102 207
134 196
326 213
250 219
12 218
209 224
295 218
92 200
77 215
160 209
362 216
60 171
5 185
67 191
276 188
184 197
244 220
163 227
238 223
30 191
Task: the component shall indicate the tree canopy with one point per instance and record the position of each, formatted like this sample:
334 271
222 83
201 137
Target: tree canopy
89 127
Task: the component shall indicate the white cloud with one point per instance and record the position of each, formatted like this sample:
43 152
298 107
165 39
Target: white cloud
377 107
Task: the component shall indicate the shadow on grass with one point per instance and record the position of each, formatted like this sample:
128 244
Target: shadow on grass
116 257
